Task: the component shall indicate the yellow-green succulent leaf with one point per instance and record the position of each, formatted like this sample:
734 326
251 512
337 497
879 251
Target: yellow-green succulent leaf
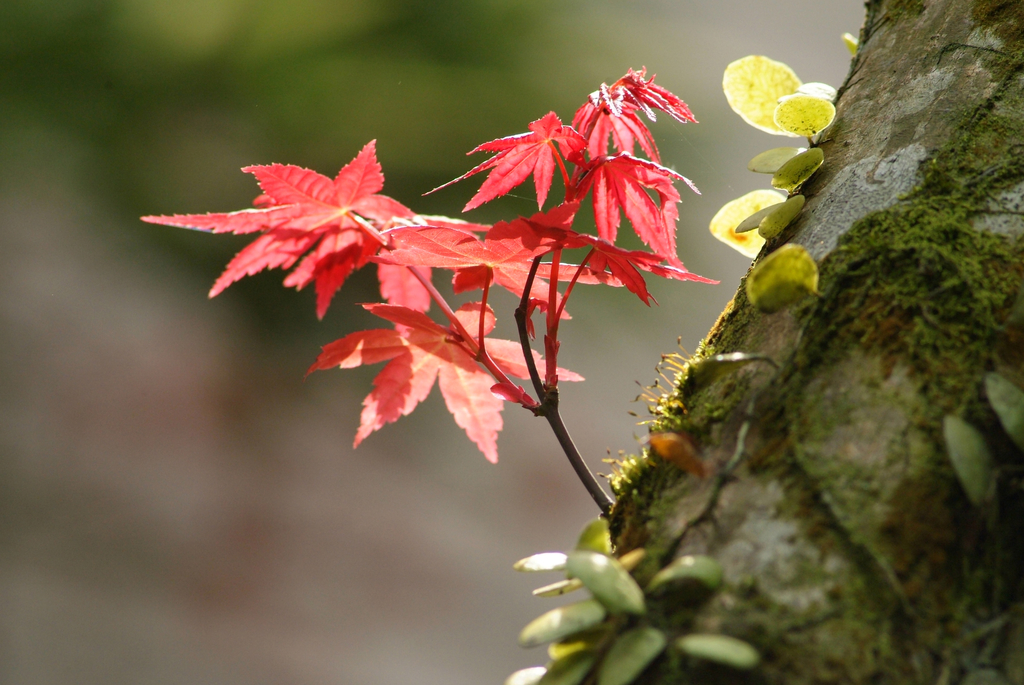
797 170
569 670
784 277
629 560
775 222
803 115
724 224
526 676
753 86
851 43
545 561
595 537
562 587
769 161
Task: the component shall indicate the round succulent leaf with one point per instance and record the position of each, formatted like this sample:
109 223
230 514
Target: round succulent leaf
569 670
753 86
804 115
526 676
769 161
784 277
562 622
971 458
1008 402
797 170
701 569
775 222
607 580
706 371
546 561
818 90
562 587
851 42
582 641
725 223
631 559
595 537
720 649
630 655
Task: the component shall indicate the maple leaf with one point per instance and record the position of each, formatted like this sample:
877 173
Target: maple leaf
552 230
418 352
611 110
337 221
505 262
621 182
521 155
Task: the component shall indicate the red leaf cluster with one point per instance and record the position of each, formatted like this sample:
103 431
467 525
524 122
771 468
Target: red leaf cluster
323 229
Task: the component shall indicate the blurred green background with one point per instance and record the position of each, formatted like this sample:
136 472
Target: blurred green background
177 505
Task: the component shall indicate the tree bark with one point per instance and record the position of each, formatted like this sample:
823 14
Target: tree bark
850 550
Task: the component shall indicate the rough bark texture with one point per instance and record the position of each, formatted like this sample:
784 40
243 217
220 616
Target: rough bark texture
851 553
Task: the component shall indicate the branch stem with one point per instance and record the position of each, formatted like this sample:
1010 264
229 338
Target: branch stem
549 403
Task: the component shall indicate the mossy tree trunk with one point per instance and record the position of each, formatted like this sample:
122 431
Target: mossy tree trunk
851 552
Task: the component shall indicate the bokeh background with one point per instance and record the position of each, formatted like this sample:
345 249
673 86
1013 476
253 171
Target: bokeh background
176 504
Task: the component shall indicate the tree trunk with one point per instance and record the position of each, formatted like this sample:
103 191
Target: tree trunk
851 552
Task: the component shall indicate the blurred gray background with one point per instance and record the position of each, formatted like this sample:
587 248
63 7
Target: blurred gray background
176 504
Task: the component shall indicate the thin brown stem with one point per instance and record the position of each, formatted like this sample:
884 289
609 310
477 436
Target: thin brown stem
549 403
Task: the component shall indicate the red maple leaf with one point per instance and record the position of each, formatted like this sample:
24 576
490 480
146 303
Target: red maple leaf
301 210
521 155
421 351
621 182
611 110
607 263
475 262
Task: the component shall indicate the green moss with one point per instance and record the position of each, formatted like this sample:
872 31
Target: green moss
919 288
1003 17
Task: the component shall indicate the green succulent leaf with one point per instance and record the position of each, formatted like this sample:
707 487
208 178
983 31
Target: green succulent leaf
527 676
697 568
569 670
775 222
769 161
582 641
562 622
1008 402
784 277
804 115
609 582
595 537
797 170
562 587
788 213
706 371
720 649
546 561
971 458
630 655
851 42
